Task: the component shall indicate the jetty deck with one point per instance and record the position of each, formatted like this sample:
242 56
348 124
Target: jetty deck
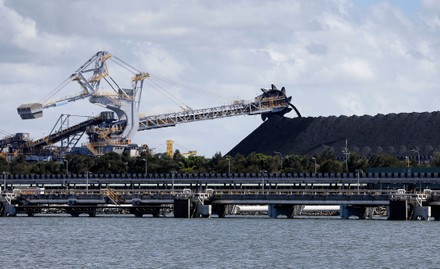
203 195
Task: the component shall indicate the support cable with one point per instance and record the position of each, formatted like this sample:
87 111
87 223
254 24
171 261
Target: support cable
56 90
189 87
167 94
124 65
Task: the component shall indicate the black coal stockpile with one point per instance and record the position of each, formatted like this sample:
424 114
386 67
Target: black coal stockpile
395 134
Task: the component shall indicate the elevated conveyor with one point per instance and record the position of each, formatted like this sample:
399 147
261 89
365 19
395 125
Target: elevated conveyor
60 135
264 106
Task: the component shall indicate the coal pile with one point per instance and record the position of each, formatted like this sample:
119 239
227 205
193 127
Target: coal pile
395 134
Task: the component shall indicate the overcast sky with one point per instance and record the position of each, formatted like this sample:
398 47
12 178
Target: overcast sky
335 57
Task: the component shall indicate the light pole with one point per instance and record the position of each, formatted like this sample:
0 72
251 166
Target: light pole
67 166
262 173
229 165
314 159
346 153
4 182
407 161
87 181
172 180
281 158
358 171
418 156
146 166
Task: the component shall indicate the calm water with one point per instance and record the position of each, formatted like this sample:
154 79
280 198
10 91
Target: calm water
128 242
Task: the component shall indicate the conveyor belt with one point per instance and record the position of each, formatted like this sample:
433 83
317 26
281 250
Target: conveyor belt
63 134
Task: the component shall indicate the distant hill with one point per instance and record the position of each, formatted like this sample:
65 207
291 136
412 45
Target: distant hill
394 134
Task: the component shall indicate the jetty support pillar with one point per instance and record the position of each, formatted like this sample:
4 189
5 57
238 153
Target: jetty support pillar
290 211
398 210
435 212
6 208
360 211
75 211
182 208
421 213
221 210
203 211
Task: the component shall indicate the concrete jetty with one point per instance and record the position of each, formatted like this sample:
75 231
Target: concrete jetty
409 195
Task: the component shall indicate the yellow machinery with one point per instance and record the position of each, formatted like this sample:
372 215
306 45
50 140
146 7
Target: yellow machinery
170 150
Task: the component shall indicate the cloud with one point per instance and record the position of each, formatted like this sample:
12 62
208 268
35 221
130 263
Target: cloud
334 57
317 49
431 4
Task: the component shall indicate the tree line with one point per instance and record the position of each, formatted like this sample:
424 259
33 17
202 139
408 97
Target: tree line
113 163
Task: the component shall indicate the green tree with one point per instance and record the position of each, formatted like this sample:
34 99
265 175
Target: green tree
295 164
356 162
4 165
137 165
46 168
238 164
163 164
217 164
436 160
177 157
326 155
110 163
79 164
385 161
20 166
259 161
198 163
331 166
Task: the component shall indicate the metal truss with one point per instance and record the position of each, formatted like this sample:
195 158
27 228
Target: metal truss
235 109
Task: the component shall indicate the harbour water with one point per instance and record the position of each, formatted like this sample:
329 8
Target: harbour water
235 242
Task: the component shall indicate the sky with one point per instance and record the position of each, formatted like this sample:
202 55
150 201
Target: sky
334 57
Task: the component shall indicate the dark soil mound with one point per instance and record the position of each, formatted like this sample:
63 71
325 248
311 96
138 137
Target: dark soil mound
394 134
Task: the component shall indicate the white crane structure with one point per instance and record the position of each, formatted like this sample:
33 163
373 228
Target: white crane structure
124 102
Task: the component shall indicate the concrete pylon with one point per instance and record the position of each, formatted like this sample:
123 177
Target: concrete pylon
346 211
290 211
182 208
7 210
398 210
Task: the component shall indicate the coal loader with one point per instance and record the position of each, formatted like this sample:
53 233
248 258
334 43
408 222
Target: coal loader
115 128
